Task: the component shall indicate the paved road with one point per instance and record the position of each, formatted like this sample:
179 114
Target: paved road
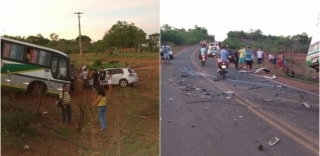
213 121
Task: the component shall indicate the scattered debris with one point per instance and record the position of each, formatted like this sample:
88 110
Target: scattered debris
206 93
184 75
279 86
284 93
268 77
260 148
200 101
215 79
169 80
198 89
229 92
26 147
254 88
228 97
171 120
306 105
242 71
260 69
267 99
274 141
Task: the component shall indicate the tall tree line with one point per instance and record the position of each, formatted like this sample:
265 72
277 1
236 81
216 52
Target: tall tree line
182 36
256 39
120 36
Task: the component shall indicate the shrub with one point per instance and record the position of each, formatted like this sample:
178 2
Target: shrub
18 122
97 63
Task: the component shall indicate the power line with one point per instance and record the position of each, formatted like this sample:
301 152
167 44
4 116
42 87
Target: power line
80 46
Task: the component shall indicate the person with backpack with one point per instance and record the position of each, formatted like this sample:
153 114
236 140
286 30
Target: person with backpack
65 99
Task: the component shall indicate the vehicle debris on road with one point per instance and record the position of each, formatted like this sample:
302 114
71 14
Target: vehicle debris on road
250 88
268 77
260 148
274 141
306 105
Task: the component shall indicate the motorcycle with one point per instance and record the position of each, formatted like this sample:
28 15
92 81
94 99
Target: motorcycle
223 67
203 59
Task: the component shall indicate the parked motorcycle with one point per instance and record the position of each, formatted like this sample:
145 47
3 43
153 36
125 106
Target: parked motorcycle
223 69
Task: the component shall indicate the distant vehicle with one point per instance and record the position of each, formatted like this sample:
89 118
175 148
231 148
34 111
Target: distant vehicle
169 51
213 51
32 68
215 44
312 59
121 76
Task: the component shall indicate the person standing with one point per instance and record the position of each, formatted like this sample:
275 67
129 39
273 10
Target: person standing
101 103
109 80
102 77
280 60
248 59
72 77
260 57
95 79
166 54
242 57
66 103
236 58
85 75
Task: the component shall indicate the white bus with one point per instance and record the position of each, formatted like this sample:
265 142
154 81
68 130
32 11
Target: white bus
31 68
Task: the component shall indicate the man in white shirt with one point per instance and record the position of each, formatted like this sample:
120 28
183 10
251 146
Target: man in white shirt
260 57
271 58
85 78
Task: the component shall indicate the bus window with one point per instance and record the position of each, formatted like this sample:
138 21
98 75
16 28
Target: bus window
62 72
44 58
54 66
33 56
17 52
6 50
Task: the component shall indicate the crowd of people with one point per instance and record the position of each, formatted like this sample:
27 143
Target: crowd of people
244 58
82 76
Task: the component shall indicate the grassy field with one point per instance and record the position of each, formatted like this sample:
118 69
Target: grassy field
132 116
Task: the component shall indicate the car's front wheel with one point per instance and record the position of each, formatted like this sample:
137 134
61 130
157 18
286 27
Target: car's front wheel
123 83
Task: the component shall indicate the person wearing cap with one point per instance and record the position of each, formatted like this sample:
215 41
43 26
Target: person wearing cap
65 101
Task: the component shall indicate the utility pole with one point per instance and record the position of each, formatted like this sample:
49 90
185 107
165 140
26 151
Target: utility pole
80 47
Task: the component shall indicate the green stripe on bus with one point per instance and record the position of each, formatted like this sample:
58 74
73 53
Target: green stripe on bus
12 68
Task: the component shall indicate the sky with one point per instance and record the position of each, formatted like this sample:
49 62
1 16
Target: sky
24 18
274 17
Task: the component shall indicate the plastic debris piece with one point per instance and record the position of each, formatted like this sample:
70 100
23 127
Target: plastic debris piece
274 141
306 105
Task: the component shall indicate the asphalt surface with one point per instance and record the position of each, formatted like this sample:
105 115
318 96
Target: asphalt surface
200 116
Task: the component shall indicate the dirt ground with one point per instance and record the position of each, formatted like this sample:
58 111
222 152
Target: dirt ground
132 115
